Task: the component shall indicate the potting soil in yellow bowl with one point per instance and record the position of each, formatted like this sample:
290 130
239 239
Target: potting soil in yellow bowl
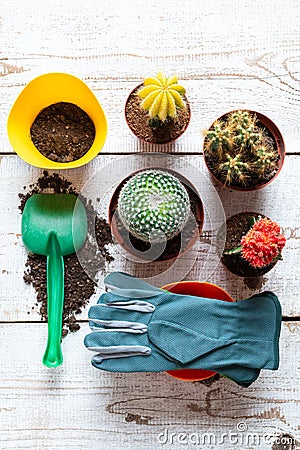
40 93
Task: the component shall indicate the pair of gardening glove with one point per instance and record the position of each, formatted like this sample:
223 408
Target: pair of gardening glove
140 328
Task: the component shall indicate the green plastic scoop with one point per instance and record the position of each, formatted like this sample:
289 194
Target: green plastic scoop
54 225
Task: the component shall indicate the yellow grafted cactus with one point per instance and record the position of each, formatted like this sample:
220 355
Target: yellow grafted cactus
162 97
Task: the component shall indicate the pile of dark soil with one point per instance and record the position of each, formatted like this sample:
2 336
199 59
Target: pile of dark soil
94 256
63 132
138 122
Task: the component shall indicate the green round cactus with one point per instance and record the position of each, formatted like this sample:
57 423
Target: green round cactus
154 205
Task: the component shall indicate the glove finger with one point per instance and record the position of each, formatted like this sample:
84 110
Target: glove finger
127 286
117 325
104 312
145 363
109 338
119 302
119 351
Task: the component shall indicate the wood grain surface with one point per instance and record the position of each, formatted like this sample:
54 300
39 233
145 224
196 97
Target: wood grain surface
228 56
77 407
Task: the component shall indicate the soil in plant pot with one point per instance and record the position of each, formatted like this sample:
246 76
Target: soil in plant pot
94 255
236 227
254 179
63 132
174 246
138 121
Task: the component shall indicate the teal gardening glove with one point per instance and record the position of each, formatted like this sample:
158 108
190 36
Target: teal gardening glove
140 328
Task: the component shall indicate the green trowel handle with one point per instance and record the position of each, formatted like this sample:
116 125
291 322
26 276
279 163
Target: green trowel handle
55 289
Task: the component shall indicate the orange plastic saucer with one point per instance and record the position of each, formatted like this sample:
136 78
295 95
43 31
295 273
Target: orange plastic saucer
197 289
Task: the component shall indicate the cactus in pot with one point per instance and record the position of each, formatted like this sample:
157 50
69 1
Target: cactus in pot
241 151
154 206
254 244
162 97
158 111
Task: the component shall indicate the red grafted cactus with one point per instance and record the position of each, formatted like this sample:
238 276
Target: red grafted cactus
263 243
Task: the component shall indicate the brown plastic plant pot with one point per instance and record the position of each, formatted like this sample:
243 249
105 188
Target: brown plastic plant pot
127 241
198 289
276 135
138 121
235 263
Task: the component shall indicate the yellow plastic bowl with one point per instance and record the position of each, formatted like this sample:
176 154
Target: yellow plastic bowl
42 92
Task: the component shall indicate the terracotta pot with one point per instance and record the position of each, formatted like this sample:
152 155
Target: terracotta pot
280 147
235 263
143 116
198 289
124 241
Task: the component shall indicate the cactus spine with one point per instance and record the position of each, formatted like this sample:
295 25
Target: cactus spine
218 139
234 168
266 158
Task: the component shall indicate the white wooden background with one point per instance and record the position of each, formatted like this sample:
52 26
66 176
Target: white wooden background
228 55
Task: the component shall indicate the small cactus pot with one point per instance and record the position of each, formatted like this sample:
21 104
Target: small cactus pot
236 227
138 121
256 179
172 247
198 289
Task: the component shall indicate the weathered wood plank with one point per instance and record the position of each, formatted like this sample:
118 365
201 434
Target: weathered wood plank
254 64
103 174
76 406
209 99
228 57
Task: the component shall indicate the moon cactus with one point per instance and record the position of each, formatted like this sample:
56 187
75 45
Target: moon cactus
262 245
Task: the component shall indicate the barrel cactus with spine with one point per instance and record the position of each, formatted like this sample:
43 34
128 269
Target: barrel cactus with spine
154 205
162 97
